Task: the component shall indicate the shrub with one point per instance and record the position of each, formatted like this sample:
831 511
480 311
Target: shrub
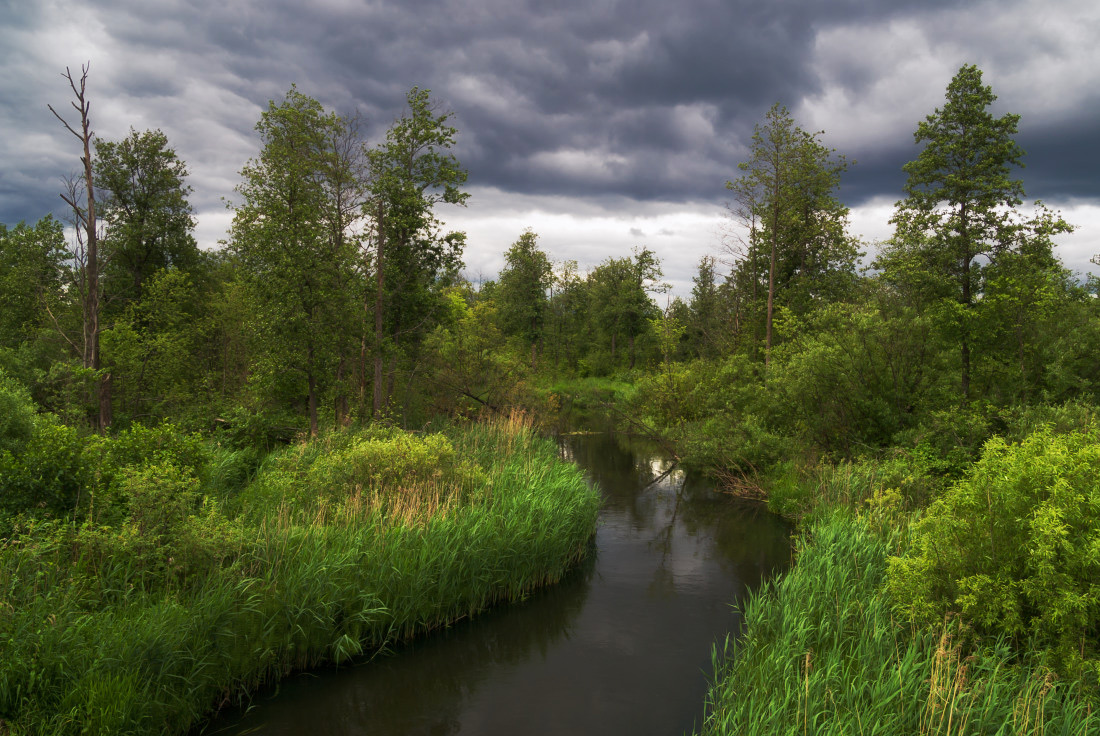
109 459
345 464
169 534
820 646
47 476
16 415
1014 547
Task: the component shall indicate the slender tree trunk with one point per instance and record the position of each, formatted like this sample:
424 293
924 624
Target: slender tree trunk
966 301
771 307
91 358
312 380
340 407
379 265
362 367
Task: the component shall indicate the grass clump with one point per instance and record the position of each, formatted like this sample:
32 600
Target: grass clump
823 653
146 619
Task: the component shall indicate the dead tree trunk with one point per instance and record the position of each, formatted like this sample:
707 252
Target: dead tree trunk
86 217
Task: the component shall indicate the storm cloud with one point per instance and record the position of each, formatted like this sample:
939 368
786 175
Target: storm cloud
612 111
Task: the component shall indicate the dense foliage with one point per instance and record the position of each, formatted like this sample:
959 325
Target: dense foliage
1014 547
823 654
163 520
175 596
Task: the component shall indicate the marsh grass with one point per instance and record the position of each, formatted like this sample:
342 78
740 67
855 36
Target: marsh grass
823 654
325 557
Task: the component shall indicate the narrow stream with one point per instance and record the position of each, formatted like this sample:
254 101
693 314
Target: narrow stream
621 646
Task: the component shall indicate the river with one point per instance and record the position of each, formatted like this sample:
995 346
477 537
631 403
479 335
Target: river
621 646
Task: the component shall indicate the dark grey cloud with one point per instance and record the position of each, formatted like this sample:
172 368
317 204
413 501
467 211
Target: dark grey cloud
602 100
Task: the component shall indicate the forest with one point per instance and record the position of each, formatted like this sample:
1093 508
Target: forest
199 448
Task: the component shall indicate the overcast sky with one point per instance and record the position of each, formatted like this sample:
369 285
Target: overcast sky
603 125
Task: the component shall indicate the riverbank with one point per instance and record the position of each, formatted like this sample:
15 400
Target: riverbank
822 652
923 604
336 548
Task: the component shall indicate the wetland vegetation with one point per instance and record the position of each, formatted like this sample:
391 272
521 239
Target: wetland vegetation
220 467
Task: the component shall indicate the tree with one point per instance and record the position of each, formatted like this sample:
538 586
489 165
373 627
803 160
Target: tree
786 198
84 216
523 284
702 324
619 302
31 274
411 172
567 313
298 269
961 200
144 205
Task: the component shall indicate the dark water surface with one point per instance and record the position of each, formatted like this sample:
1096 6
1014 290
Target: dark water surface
621 646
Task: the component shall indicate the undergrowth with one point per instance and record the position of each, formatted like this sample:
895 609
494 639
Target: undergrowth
147 618
823 653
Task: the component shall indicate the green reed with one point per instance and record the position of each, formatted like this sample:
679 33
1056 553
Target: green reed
822 654
94 642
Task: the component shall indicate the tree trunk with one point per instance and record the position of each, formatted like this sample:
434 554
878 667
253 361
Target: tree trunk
771 308
90 356
379 265
340 404
966 301
312 380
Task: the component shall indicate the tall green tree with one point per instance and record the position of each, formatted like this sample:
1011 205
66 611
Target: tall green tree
619 302
702 325
412 171
144 206
567 314
961 204
524 281
300 278
32 272
796 252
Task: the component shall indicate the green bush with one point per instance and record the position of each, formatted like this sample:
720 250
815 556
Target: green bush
16 415
899 482
47 476
391 463
1014 547
822 654
109 459
370 462
170 535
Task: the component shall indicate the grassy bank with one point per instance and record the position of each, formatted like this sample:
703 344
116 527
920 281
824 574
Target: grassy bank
186 601
823 653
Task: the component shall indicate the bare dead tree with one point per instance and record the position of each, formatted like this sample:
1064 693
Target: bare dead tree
85 219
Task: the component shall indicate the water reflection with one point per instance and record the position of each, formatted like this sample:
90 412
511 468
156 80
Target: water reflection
622 645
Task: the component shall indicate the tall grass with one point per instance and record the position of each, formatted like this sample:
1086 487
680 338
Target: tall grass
314 574
822 654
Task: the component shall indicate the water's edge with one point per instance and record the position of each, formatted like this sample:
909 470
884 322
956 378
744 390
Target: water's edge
621 645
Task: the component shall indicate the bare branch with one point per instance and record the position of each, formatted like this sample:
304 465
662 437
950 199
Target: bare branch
60 331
